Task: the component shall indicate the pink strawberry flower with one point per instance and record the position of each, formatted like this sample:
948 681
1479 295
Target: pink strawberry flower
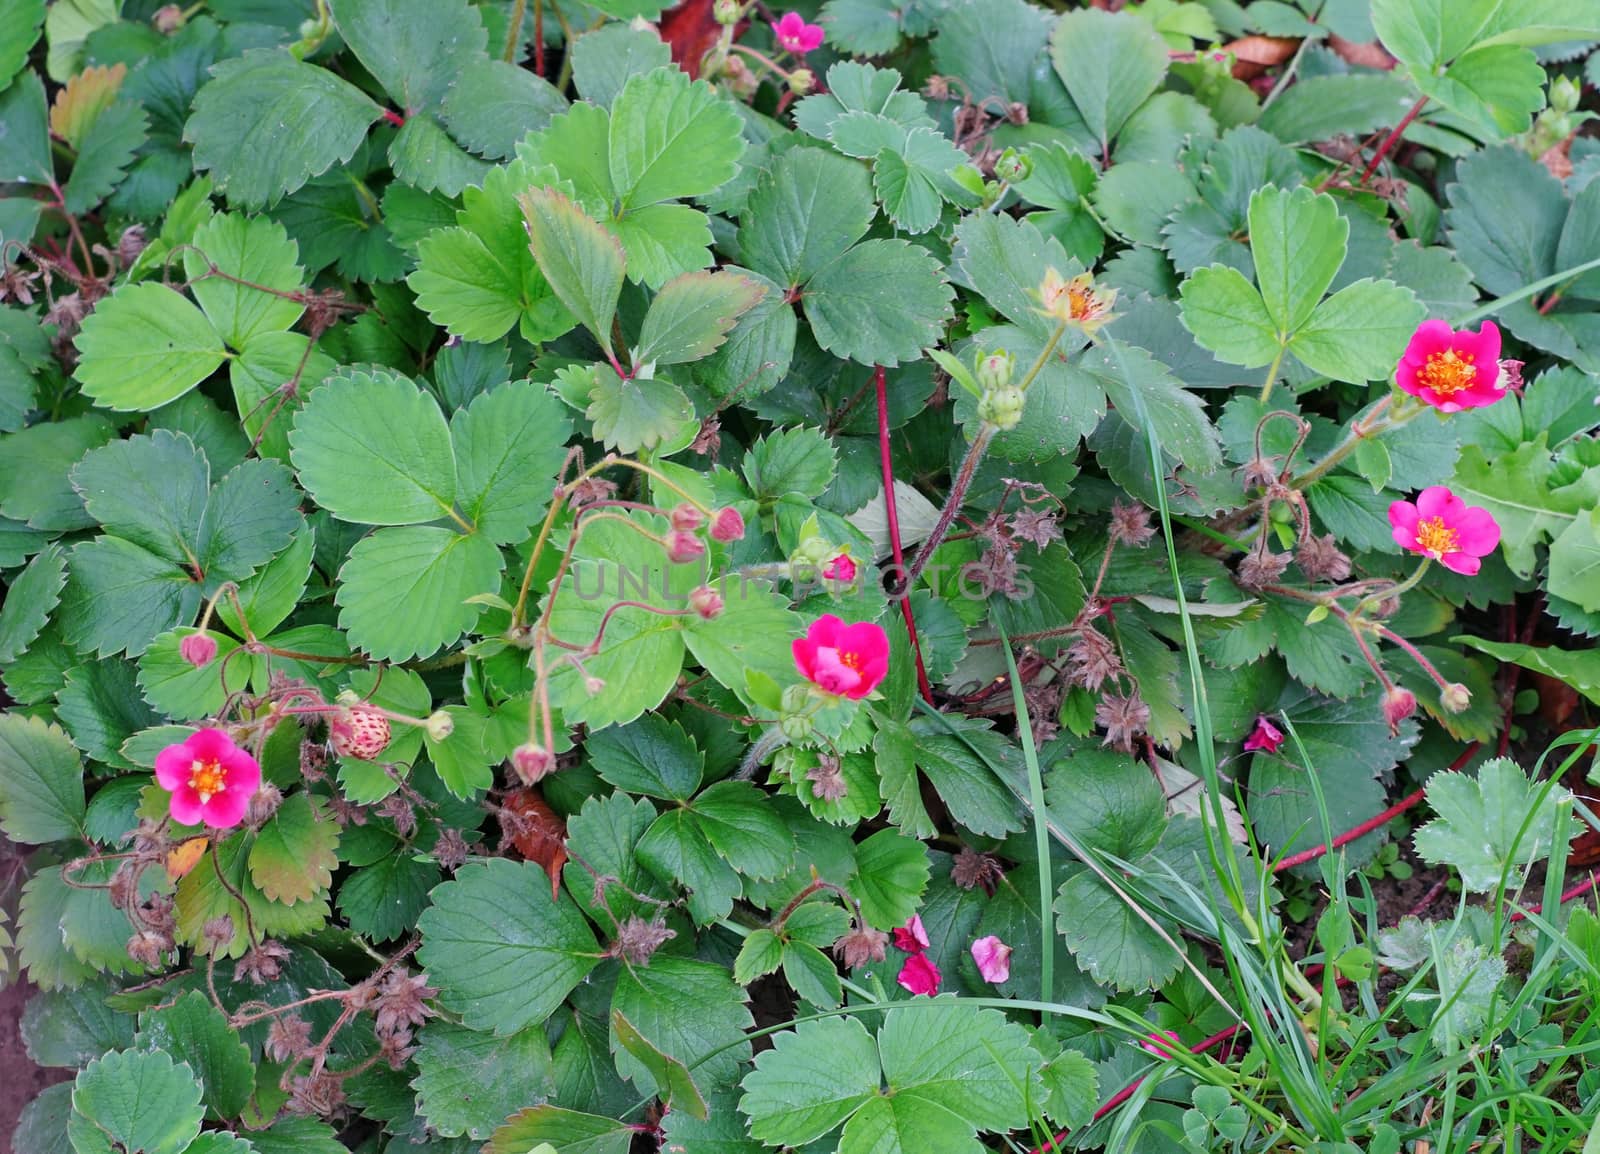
211 779
911 937
919 975
1264 738
1445 528
993 957
795 35
841 568
846 660
1453 371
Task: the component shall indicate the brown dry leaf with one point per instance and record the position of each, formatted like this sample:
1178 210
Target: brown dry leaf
1371 55
691 31
1255 54
185 857
543 836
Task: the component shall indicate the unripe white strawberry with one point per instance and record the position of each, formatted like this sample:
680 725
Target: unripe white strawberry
359 731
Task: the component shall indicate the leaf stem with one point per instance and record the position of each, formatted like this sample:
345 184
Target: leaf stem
891 511
514 31
1272 373
1392 139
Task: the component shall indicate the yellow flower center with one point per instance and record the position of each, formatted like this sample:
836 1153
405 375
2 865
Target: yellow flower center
207 778
1435 537
1081 302
1447 373
850 660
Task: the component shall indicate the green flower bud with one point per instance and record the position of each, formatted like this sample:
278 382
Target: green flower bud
1013 166
801 81
727 11
1001 408
996 369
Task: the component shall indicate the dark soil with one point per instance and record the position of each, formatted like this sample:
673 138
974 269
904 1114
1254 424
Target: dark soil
20 1079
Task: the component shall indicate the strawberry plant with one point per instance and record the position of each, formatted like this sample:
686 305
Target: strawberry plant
589 578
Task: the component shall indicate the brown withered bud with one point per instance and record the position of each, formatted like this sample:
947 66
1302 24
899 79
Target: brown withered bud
130 244
936 87
262 964
1035 526
217 934
1321 559
827 782
708 441
1130 524
1092 659
450 851
589 490
288 1038
638 939
1017 112
1262 567
1123 719
401 1003
1259 474
860 946
398 810
150 948
263 804
157 913
318 1095
16 283
150 841
973 870
313 759
396 1049
344 812
995 570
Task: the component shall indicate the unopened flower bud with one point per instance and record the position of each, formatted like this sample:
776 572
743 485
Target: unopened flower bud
263 804
592 684
796 727
440 725
840 569
1455 697
801 81
168 19
706 602
1398 704
727 524
996 369
217 933
686 518
683 547
1001 408
727 11
533 762
1013 166
198 649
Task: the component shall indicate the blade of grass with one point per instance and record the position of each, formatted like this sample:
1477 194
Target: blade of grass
1041 835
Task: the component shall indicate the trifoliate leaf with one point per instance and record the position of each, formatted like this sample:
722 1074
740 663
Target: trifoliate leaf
468 1081
671 137
786 233
493 105
509 444
676 851
813 1079
651 756
404 592
1298 241
634 414
1480 824
135 1100
882 302
691 315
1359 333
372 447
580 259
606 58
196 1033
1110 64
295 852
241 248
690 1010
103 160
266 123
738 820
119 597
503 952
25 149
413 48
143 346
31 596
891 873
790 461
423 155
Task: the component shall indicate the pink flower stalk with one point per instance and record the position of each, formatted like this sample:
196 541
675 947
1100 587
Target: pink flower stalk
1264 738
841 568
211 779
993 957
795 35
198 649
919 975
847 660
1444 527
911 937
727 524
1453 371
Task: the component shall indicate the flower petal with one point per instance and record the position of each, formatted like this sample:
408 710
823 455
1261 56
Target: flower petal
209 744
1437 501
226 809
1477 531
173 765
1462 563
186 808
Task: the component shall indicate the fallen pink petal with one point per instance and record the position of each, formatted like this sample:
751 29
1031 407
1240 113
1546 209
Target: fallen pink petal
911 937
919 975
993 958
1264 737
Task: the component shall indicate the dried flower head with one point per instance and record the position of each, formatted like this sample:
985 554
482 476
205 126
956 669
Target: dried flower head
262 964
1123 719
1035 526
319 1095
973 870
638 939
401 1003
1092 659
861 945
288 1038
1262 567
1321 559
450 851
827 783
1130 524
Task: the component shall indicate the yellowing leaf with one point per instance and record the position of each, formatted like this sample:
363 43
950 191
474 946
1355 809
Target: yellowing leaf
183 859
84 98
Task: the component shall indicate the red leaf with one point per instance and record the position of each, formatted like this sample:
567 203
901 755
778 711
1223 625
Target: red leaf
539 833
691 31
